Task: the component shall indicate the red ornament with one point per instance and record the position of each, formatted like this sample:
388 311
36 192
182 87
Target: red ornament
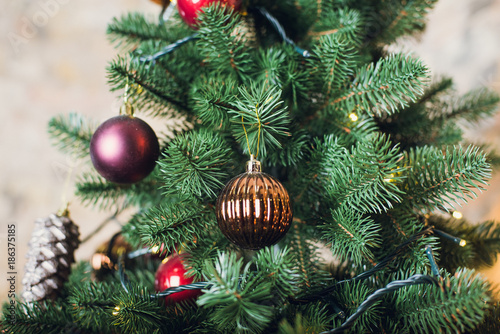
124 149
189 9
171 273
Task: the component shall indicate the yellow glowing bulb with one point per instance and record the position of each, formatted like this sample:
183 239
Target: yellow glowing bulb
155 249
457 215
116 311
462 243
390 180
353 117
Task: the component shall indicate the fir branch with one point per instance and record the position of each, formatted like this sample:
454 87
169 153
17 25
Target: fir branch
92 305
206 248
418 124
81 272
334 61
137 312
292 150
173 224
269 67
133 28
397 18
384 87
279 268
436 89
260 120
154 88
492 155
308 262
342 126
383 263
351 236
350 297
312 319
71 134
373 299
222 42
472 107
367 179
313 175
188 319
213 101
438 179
457 304
481 248
343 22
237 302
196 164
491 322
36 318
96 191
297 85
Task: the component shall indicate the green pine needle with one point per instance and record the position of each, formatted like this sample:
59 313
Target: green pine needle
93 190
237 297
334 60
173 224
260 120
344 22
368 178
459 304
439 180
71 134
136 312
351 236
384 87
196 164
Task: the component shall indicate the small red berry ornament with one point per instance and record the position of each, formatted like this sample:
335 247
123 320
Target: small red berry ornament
124 149
190 9
171 273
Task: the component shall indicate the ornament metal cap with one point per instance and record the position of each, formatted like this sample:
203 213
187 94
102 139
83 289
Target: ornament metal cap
253 165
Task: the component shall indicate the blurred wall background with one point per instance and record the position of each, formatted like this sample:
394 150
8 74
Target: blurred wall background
59 66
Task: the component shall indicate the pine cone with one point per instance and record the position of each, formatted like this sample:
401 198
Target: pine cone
51 253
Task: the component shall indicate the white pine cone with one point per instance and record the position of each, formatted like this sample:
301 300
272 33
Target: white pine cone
52 245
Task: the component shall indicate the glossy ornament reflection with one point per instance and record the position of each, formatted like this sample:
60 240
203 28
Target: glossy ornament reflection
189 10
253 210
172 273
124 149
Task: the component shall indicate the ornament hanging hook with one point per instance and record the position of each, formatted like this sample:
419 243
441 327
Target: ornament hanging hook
252 157
127 108
167 9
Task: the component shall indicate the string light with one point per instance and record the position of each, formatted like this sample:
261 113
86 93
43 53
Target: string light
116 311
457 215
461 242
391 179
155 249
353 117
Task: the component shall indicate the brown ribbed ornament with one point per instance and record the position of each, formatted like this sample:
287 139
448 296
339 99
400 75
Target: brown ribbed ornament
253 210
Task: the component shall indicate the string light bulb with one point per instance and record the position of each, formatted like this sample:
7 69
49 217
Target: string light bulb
155 249
457 215
462 243
353 117
116 311
391 179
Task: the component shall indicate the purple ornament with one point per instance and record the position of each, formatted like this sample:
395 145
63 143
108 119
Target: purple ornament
124 149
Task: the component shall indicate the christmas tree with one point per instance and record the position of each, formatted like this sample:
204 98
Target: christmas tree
305 182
